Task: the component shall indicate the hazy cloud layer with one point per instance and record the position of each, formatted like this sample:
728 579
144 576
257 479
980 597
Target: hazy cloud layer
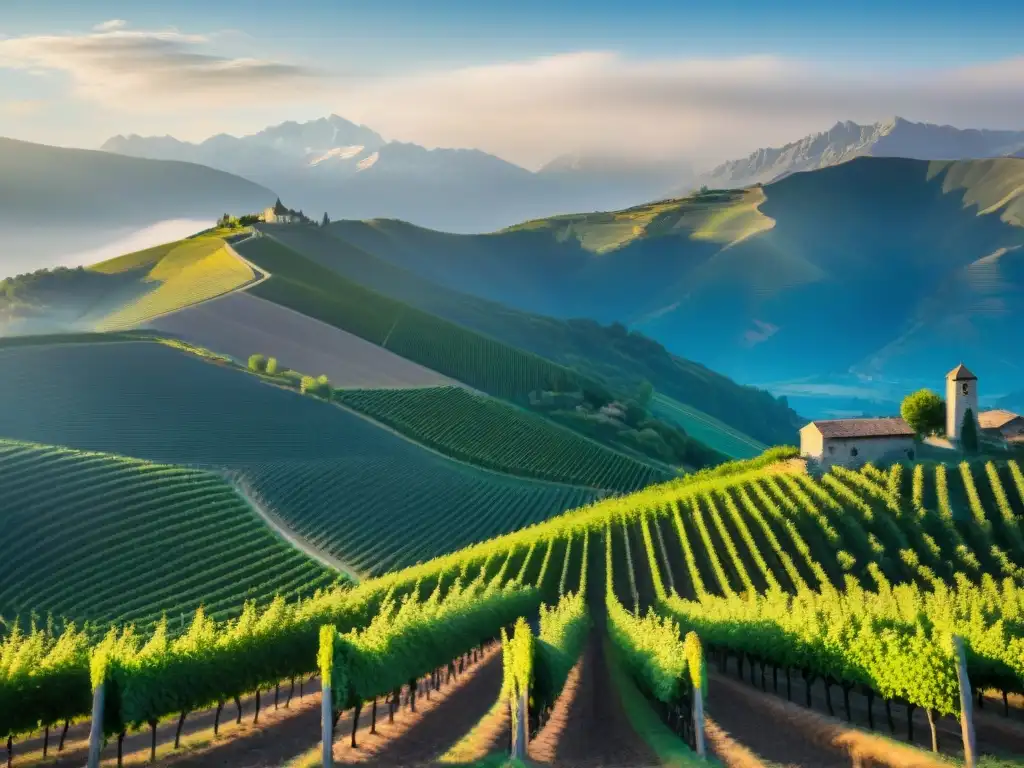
146 70
527 111
706 109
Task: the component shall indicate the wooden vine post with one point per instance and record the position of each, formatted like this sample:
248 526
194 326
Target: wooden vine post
520 720
326 660
699 679
966 704
96 729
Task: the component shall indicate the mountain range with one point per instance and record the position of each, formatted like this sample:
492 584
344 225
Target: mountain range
844 141
847 283
350 171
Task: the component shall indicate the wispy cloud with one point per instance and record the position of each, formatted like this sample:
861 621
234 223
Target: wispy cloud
146 69
110 26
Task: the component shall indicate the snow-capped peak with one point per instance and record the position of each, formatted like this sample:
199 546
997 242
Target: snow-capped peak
337 153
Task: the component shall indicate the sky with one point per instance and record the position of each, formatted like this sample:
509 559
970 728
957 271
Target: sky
525 80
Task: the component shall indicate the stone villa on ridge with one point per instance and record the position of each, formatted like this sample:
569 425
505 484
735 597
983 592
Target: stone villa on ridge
278 214
857 441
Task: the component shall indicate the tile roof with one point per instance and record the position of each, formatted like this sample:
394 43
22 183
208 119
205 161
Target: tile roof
960 373
996 419
883 427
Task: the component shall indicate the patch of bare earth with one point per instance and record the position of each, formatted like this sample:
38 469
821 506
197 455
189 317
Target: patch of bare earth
421 737
588 726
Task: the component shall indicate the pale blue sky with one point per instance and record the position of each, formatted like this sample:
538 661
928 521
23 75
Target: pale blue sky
526 80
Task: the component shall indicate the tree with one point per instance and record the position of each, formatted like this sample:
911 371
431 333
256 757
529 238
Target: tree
325 221
257 363
271 367
644 393
969 433
924 411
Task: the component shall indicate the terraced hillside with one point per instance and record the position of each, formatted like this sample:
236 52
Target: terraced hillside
101 538
486 431
340 479
707 429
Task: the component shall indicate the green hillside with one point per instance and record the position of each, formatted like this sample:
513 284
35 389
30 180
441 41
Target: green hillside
909 262
491 433
124 292
707 429
622 360
317 468
104 539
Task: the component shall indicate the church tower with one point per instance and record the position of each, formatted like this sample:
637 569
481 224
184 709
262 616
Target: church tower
961 394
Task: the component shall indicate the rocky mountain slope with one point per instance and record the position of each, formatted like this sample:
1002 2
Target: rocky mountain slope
895 137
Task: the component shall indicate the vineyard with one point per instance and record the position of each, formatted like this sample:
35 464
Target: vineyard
849 588
486 431
464 355
177 275
135 539
314 466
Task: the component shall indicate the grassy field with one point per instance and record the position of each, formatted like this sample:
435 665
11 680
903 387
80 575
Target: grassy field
333 476
707 429
179 274
486 431
103 538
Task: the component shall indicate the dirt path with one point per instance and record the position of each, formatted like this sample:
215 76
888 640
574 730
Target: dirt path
995 734
437 725
771 739
589 726
197 734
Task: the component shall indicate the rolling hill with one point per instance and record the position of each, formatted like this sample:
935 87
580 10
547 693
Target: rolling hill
67 200
124 292
622 360
316 468
910 263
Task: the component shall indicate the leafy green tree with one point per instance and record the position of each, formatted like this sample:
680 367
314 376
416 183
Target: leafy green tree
969 433
924 411
258 363
272 367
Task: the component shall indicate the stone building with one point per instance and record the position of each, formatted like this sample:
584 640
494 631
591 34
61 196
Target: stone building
851 442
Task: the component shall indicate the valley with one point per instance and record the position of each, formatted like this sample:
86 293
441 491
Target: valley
294 494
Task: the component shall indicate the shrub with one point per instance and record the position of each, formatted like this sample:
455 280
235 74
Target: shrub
924 411
319 387
257 363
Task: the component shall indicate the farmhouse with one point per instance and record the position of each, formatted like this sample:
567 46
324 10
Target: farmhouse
856 441
1002 425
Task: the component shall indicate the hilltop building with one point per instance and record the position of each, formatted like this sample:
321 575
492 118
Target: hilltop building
851 442
278 214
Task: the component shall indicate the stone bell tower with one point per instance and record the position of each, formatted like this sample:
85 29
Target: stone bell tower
961 394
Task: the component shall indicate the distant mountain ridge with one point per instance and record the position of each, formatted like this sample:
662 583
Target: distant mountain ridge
872 271
350 171
846 140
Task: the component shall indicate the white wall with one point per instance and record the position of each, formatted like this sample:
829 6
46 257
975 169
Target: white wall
875 449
